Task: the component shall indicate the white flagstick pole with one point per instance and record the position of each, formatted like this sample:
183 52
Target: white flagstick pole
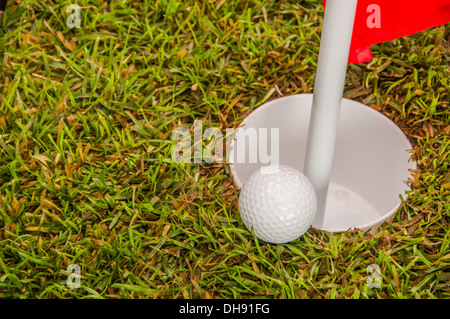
328 89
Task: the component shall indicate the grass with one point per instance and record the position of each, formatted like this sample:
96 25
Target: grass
86 175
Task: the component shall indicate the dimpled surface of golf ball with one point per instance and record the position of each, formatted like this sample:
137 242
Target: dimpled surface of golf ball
277 203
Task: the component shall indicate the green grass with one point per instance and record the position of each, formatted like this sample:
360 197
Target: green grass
86 175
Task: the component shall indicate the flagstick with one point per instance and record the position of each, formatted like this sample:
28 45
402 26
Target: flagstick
328 89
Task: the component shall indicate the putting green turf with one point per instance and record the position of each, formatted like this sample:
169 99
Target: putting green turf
87 179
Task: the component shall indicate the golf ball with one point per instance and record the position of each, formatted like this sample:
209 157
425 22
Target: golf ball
277 203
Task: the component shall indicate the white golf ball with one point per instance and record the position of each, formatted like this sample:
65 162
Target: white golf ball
277 203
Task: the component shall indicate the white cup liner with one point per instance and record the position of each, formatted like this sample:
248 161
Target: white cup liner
370 167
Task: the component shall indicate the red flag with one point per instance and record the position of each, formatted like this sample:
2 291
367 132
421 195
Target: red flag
378 21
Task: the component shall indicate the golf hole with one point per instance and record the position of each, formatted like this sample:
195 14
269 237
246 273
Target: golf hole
371 162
